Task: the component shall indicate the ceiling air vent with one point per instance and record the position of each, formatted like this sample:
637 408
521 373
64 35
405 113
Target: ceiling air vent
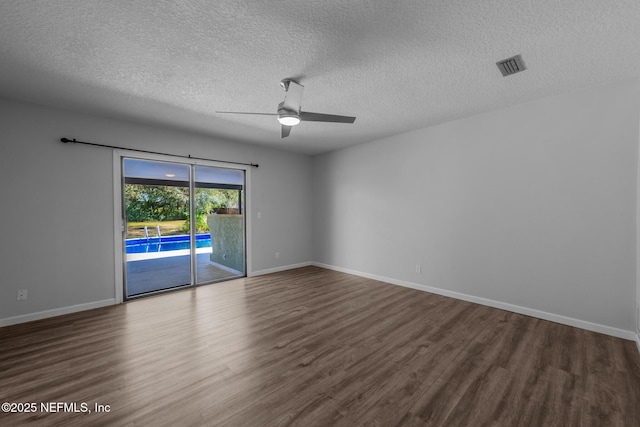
511 65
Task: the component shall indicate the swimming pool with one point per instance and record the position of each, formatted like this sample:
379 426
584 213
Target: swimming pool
165 243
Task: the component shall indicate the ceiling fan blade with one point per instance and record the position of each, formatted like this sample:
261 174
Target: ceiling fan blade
293 96
244 112
306 116
285 131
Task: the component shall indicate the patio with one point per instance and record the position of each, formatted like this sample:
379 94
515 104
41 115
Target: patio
148 275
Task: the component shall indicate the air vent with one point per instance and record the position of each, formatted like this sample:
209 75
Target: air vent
511 65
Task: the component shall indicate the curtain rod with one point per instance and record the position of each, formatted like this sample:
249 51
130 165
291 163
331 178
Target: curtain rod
66 140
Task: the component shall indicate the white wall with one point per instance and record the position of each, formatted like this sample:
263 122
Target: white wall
57 209
532 206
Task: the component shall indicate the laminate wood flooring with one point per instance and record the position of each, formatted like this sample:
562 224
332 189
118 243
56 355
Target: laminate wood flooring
313 347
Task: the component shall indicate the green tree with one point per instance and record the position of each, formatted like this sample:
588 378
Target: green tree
156 202
207 200
168 203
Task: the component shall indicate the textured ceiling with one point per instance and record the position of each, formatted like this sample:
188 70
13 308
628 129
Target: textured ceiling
395 65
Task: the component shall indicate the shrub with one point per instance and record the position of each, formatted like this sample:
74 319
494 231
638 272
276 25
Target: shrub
201 224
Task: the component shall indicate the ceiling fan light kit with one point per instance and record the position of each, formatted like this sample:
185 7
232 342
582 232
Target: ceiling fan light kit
287 117
289 113
289 120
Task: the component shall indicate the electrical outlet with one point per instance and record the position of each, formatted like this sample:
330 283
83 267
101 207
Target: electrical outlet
418 268
277 255
22 294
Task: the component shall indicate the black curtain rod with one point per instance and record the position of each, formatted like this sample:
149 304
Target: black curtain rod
66 140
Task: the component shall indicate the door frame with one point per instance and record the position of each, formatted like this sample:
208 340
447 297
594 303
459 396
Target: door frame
119 223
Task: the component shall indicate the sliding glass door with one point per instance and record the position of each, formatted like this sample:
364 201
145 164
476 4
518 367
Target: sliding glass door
156 204
219 216
184 225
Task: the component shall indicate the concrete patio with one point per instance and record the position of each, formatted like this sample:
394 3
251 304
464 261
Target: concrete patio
148 275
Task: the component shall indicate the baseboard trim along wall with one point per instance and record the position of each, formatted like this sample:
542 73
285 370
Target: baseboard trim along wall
97 304
278 269
55 312
607 330
638 322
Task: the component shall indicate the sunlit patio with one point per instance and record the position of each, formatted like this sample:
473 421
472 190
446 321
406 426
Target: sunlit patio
153 274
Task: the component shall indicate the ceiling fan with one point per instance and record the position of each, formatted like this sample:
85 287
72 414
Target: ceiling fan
289 113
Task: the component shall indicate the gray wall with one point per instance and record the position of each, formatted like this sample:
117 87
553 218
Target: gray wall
637 329
533 205
57 203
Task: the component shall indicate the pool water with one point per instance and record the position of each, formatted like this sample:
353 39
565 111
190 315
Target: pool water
165 244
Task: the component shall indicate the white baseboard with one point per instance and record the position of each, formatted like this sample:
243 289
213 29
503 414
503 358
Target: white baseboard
277 269
55 312
608 330
638 322
97 304
603 329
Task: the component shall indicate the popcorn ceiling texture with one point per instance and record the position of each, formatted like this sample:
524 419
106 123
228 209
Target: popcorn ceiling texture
396 65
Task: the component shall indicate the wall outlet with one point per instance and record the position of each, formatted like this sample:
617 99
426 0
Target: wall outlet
638 318
277 255
259 215
22 294
418 268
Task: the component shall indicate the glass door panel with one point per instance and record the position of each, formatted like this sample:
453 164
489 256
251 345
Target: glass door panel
219 224
157 226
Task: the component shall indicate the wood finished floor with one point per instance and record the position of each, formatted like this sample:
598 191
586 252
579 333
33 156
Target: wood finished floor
316 347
